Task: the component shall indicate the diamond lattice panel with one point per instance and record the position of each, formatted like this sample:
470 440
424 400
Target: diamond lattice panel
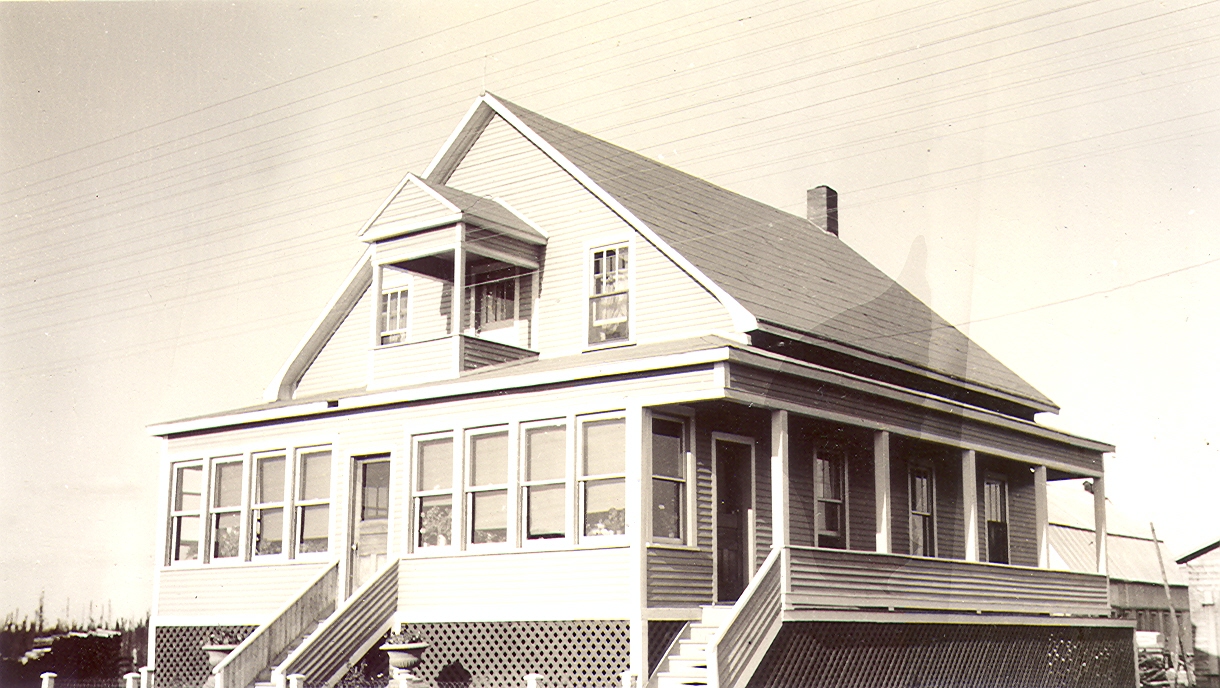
181 661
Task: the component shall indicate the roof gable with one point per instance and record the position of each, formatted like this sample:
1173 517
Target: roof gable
417 204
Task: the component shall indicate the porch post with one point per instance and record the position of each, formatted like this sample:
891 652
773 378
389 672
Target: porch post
970 503
459 281
1099 523
781 533
639 507
881 489
1041 517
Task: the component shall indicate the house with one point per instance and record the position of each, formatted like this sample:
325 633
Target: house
1139 574
1202 569
578 414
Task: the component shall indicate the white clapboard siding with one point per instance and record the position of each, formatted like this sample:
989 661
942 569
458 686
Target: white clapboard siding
343 362
407 364
667 302
411 204
246 593
554 585
418 245
431 304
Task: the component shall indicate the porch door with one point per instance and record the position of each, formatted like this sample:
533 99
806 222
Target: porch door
371 519
733 502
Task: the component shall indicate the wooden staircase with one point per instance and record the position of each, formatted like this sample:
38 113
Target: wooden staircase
264 678
686 664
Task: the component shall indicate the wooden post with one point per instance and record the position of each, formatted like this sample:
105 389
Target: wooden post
881 489
131 680
639 506
146 677
1175 639
48 679
1099 523
1041 518
970 503
781 532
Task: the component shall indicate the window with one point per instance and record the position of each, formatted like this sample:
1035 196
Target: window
268 509
487 491
186 511
668 478
922 528
495 298
392 313
829 487
995 508
225 533
313 501
544 478
603 477
434 492
608 296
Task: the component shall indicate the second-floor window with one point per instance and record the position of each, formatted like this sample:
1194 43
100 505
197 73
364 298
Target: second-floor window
609 300
394 316
226 509
830 511
668 479
923 543
995 508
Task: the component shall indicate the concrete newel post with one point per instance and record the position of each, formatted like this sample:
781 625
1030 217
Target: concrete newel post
627 679
48 679
131 679
296 681
532 680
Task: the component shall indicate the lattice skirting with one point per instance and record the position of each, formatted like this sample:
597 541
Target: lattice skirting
877 655
568 654
180 660
660 635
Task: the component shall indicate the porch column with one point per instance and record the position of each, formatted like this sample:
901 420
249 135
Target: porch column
459 282
780 531
1041 517
881 489
639 504
970 503
1099 523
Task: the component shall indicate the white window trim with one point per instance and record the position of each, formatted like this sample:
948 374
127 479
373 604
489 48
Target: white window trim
299 504
469 489
378 289
284 504
587 292
688 507
415 494
845 476
567 481
582 479
199 512
215 511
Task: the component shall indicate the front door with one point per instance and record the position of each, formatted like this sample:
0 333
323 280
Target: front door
734 497
371 519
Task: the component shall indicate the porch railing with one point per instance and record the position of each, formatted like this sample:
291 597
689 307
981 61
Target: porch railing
754 621
343 638
256 652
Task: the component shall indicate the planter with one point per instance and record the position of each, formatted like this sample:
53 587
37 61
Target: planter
405 656
217 653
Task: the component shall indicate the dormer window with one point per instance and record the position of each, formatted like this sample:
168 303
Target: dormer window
608 295
495 298
392 315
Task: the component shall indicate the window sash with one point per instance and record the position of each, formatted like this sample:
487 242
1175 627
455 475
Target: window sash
544 481
495 298
432 505
186 512
669 458
609 301
602 479
392 316
312 505
922 521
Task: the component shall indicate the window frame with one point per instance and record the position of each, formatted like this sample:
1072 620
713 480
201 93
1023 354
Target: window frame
591 294
480 281
177 514
300 504
399 285
418 495
217 511
583 480
683 483
837 458
257 506
526 483
470 490
993 478
915 470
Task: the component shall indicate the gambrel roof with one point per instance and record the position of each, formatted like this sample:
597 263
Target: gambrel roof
788 276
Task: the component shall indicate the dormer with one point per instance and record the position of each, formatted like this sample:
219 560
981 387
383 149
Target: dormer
455 280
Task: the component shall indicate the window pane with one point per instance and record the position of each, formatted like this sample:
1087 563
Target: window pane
921 485
375 498
667 455
189 488
545 453
830 517
435 465
605 504
186 538
489 459
993 498
604 446
226 536
608 318
919 536
489 516
545 513
270 480
315 524
228 484
666 508
315 475
435 521
829 479
269 531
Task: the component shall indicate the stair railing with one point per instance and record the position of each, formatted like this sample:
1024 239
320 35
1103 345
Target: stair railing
342 639
255 653
737 648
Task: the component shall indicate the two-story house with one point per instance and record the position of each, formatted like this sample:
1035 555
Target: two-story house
578 414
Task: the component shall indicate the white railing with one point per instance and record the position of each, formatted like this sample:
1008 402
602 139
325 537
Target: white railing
743 639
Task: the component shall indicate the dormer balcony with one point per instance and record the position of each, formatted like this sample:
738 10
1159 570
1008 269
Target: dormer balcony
455 277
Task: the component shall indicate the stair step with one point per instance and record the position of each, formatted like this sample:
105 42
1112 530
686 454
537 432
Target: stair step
684 665
692 648
681 680
702 632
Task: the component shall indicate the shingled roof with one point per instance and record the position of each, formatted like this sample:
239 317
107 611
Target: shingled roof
813 286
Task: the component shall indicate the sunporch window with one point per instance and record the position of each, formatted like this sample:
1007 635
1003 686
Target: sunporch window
268 510
225 532
830 498
603 477
922 525
433 492
609 301
668 479
995 508
545 482
487 492
186 512
313 501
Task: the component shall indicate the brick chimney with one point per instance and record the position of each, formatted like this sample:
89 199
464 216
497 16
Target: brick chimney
822 208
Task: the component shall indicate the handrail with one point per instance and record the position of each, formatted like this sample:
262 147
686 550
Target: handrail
754 616
251 657
347 634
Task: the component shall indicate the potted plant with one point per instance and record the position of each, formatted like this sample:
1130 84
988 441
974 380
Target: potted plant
405 649
221 641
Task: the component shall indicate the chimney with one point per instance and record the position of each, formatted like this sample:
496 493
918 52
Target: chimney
822 208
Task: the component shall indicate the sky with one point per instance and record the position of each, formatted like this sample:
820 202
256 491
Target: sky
181 185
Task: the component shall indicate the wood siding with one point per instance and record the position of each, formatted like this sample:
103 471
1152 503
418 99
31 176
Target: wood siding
406 364
427 243
907 419
431 314
247 593
411 204
666 302
861 500
832 578
517 586
494 245
679 578
477 353
1022 517
343 362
